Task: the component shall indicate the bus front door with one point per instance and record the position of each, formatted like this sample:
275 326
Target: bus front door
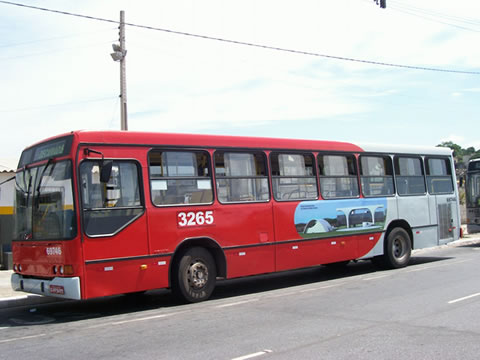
115 237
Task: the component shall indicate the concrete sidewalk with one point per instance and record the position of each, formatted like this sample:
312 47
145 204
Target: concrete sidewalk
10 298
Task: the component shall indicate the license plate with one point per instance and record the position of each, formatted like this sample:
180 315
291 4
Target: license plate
57 290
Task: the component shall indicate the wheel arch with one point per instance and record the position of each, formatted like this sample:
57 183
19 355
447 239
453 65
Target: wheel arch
205 242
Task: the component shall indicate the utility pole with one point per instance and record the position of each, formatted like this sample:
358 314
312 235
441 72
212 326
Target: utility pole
119 55
383 3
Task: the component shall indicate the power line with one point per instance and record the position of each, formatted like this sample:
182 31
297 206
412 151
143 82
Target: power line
243 43
437 14
413 10
430 17
9 179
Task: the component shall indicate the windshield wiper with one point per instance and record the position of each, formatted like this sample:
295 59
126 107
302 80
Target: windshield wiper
20 186
49 162
28 187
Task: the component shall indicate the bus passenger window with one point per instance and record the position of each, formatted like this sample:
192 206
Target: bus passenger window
293 177
409 176
338 176
439 176
241 177
180 177
376 174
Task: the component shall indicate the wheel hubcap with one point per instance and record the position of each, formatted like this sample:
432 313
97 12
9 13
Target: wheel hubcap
197 275
398 248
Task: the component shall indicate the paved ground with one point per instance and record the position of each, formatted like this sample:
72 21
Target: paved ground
10 298
5 288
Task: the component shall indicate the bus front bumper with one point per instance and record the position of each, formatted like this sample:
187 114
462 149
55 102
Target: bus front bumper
67 288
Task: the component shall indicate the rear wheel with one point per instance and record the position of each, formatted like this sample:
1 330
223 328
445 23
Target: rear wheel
398 248
194 275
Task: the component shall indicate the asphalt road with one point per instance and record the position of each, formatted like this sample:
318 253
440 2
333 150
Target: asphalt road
429 310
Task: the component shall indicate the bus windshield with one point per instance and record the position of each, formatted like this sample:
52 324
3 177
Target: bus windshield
44 207
473 187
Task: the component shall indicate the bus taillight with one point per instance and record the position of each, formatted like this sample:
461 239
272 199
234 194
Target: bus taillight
63 269
67 270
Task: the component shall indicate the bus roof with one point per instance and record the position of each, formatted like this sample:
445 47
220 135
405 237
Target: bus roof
214 141
407 149
224 141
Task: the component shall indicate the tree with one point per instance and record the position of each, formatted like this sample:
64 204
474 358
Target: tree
470 150
458 152
475 155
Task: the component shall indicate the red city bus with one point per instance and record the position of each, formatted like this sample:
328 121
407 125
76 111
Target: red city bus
104 213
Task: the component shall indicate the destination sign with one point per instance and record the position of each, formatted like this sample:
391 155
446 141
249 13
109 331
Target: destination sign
48 150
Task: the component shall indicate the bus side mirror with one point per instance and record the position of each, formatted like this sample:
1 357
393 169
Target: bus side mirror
106 171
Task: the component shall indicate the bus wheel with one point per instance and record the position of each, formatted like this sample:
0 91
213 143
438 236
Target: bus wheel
398 249
194 275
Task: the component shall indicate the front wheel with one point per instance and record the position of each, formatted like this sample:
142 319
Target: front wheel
194 275
398 249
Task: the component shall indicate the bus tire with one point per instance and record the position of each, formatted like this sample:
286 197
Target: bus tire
398 249
194 275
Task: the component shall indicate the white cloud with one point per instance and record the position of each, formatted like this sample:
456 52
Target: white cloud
457 139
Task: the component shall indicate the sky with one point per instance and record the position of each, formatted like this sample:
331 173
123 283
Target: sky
56 73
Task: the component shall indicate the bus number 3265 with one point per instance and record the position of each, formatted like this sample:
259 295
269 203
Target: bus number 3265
195 218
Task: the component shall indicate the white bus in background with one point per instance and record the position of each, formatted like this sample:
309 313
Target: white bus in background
472 195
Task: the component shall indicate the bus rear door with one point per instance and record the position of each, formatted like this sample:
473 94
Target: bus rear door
443 199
